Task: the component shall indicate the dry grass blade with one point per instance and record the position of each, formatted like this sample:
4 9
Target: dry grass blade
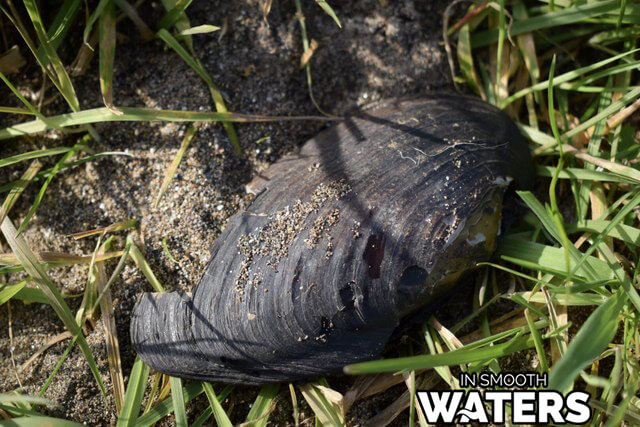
114 276
132 14
469 17
58 258
449 337
308 50
614 167
171 171
308 53
294 404
15 192
89 295
325 403
118 226
368 385
265 5
110 331
85 54
36 271
391 412
11 61
50 343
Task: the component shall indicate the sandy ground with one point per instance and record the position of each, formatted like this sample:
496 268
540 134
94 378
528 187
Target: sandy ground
385 49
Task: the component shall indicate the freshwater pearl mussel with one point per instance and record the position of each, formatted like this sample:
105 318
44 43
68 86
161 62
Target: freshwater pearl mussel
374 219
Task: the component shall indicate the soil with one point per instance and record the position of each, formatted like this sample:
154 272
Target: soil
384 50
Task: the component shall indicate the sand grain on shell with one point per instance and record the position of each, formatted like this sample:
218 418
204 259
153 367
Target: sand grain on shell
274 239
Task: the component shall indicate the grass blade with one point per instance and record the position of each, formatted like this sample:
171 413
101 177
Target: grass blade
626 233
134 114
165 249
592 338
40 421
547 20
263 406
327 412
114 276
8 291
21 398
550 259
143 265
178 402
566 77
584 175
171 171
61 80
329 11
62 23
93 18
45 173
107 54
43 189
173 15
182 23
135 391
31 109
15 192
465 59
430 361
36 271
165 407
222 419
215 93
199 29
33 155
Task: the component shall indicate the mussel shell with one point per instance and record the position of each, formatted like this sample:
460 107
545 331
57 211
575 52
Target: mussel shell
372 220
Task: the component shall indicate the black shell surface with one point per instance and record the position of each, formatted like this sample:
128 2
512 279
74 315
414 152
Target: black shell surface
373 219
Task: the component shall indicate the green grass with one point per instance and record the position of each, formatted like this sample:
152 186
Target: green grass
566 71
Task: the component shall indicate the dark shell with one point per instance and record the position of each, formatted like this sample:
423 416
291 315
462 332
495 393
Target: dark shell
371 221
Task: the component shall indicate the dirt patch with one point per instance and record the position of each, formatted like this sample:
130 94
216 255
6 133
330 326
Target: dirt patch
384 50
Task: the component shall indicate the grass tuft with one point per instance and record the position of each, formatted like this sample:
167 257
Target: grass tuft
566 71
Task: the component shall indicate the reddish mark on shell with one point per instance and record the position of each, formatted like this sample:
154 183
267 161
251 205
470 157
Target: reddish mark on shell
373 255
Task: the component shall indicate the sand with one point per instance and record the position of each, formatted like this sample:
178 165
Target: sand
385 49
